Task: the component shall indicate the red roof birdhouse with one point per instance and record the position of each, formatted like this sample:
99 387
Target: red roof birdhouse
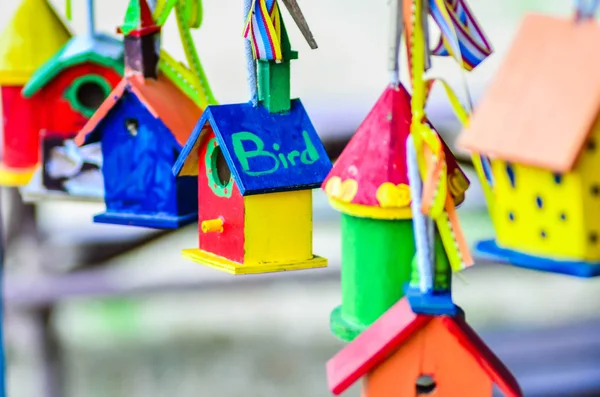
410 355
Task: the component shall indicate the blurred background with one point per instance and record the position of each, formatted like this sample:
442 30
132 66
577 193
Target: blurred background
107 311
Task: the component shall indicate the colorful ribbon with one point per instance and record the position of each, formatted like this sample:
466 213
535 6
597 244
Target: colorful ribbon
437 201
263 29
461 37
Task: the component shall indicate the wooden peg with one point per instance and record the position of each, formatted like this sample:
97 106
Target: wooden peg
296 12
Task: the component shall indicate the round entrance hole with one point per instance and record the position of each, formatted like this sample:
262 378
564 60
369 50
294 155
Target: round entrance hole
426 385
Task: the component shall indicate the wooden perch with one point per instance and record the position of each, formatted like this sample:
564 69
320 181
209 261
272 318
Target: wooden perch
294 10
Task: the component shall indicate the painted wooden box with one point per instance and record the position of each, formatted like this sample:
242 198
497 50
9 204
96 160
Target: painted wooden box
255 173
542 151
71 86
142 127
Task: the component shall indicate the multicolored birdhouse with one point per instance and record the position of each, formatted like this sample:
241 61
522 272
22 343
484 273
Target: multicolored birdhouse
255 173
412 355
369 186
72 85
542 150
142 127
256 164
32 36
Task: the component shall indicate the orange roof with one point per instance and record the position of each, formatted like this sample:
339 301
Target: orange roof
161 97
544 100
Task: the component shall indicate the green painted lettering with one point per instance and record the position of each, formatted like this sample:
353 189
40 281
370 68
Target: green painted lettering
244 155
292 155
310 154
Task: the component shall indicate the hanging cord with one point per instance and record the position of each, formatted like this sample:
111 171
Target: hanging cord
250 62
396 28
69 10
422 225
585 10
91 18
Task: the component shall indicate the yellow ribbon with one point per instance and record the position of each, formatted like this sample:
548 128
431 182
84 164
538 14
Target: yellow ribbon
437 201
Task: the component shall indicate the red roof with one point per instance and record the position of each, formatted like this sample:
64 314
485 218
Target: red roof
161 97
376 154
394 328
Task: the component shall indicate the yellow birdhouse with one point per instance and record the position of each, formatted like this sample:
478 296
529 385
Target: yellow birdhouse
538 135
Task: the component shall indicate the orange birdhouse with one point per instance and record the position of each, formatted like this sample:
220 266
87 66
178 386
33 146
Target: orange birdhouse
410 355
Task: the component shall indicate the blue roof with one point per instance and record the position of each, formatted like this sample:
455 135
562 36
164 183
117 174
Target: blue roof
98 48
265 152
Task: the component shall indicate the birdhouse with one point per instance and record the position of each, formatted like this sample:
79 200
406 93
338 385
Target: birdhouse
32 37
541 150
372 192
255 173
72 85
142 126
411 355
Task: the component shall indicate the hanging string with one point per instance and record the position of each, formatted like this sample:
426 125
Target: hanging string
250 62
423 230
436 199
263 30
69 10
586 9
396 28
91 18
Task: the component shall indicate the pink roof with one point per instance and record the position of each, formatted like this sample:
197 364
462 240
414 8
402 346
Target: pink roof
396 326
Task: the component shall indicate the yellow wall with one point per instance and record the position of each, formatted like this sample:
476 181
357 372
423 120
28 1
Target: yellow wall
567 225
589 164
538 230
278 227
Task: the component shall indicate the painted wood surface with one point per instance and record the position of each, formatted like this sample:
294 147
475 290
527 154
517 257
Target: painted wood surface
366 257
448 350
278 227
34 33
139 152
376 185
230 243
20 130
60 115
501 128
265 152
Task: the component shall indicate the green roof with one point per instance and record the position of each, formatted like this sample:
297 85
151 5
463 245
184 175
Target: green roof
137 16
99 48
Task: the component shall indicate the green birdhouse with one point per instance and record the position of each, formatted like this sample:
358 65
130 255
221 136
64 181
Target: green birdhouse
369 186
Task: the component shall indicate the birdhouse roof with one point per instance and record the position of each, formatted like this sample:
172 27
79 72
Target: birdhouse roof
99 48
543 102
395 327
254 141
161 97
32 36
375 158
138 19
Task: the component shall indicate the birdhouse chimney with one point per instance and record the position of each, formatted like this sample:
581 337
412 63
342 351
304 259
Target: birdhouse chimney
142 40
